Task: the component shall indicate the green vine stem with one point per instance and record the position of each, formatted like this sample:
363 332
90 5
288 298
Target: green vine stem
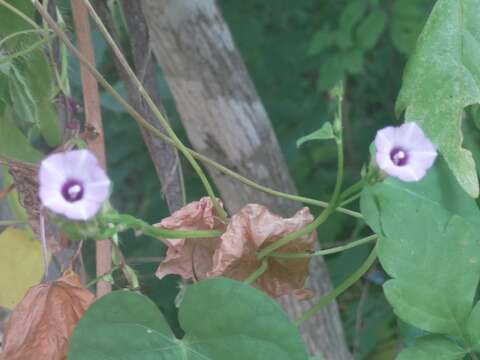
119 260
103 277
333 201
352 279
273 192
353 189
165 124
330 251
257 273
350 199
131 222
142 122
313 225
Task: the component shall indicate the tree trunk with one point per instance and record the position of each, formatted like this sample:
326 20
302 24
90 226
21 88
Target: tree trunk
165 157
225 120
216 99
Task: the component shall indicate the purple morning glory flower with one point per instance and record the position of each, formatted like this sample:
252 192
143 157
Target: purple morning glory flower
73 184
404 152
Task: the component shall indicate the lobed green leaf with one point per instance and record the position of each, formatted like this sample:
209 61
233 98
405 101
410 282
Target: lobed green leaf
430 247
443 77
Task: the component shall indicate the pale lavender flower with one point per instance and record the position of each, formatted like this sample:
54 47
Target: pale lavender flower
73 184
404 152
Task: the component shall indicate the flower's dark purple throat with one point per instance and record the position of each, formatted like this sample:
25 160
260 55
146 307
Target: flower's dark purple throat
399 156
72 190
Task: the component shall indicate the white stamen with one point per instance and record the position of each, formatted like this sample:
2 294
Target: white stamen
74 190
399 156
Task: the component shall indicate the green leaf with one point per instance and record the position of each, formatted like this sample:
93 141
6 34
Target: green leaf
370 29
473 327
406 23
429 245
32 93
441 78
353 61
21 97
31 78
331 71
321 41
21 265
41 81
433 347
13 143
324 133
11 23
351 15
223 319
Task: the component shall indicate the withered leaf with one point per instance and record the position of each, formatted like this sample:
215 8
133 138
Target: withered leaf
41 324
233 255
25 178
190 258
250 230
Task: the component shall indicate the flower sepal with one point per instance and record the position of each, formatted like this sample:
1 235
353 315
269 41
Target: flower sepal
96 228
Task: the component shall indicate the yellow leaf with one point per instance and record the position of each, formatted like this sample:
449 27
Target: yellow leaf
21 265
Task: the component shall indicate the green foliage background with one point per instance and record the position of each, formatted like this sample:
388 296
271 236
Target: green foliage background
295 51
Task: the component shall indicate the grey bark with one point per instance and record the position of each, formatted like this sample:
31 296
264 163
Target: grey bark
165 157
216 99
225 120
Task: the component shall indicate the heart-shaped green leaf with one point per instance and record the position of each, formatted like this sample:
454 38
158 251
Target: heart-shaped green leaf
324 133
430 245
443 77
222 319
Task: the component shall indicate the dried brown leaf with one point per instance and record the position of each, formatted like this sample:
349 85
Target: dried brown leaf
233 255
250 230
41 324
190 258
25 178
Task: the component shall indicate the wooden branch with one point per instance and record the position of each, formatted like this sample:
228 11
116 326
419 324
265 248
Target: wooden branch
93 120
